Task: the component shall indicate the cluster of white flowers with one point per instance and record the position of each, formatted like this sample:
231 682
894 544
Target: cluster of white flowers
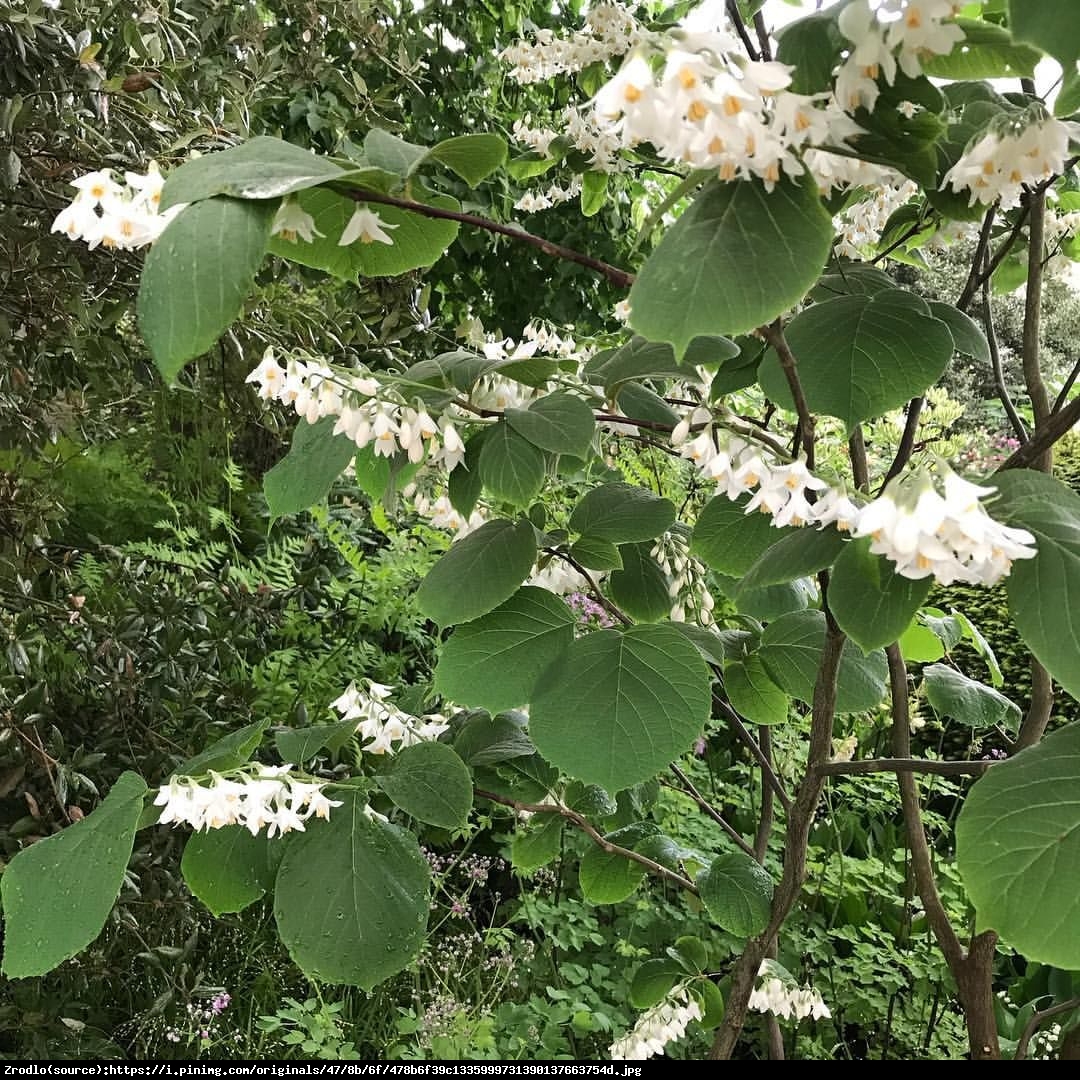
381 721
255 796
114 215
1058 228
948 535
838 171
532 202
886 34
787 1000
662 1024
442 515
713 109
582 131
559 577
610 31
859 227
686 580
1014 152
315 390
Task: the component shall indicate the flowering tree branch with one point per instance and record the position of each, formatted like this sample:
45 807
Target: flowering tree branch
1040 1018
622 279
582 823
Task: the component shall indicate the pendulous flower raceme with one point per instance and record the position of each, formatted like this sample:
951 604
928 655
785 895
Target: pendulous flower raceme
109 214
382 722
928 525
662 1024
254 796
779 994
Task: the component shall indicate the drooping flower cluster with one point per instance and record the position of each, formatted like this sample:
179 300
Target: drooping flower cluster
686 576
110 214
559 577
581 129
785 999
662 1024
610 31
255 796
382 722
363 410
887 34
946 534
533 202
838 171
859 227
711 108
1015 151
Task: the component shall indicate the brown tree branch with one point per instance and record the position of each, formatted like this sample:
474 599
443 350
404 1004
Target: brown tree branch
580 822
622 279
1037 1020
904 765
707 807
773 334
995 363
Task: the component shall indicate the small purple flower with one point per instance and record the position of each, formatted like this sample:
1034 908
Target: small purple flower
700 746
458 908
994 755
220 1003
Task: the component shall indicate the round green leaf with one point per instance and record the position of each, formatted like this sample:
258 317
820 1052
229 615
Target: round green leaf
1018 849
952 693
537 843
351 897
430 783
511 467
58 892
479 572
608 877
860 356
495 661
1044 592
799 553
737 893
622 514
791 650
617 707
737 258
560 422
653 980
729 540
596 554
968 337
227 869
872 603
640 587
752 693
472 157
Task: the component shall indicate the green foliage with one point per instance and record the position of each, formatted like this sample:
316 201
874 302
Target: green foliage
430 783
227 869
305 475
737 892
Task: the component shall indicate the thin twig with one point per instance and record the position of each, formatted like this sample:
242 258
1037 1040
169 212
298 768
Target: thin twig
995 362
1063 393
773 334
623 279
740 28
605 603
708 808
762 36
860 467
907 442
904 765
750 742
1058 426
1037 1020
971 286
583 824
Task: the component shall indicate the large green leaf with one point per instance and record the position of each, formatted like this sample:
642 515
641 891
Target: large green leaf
617 707
489 740
228 752
302 744
968 337
860 356
737 893
227 869
791 649
608 877
642 359
752 693
812 46
872 603
418 241
261 168
1044 592
737 258
1018 849
58 892
987 52
640 588
479 572
596 554
731 541
797 553
560 422
622 514
304 476
952 693
512 468
351 897
387 151
653 981
537 843
495 661
430 783
197 276
472 157
1051 25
